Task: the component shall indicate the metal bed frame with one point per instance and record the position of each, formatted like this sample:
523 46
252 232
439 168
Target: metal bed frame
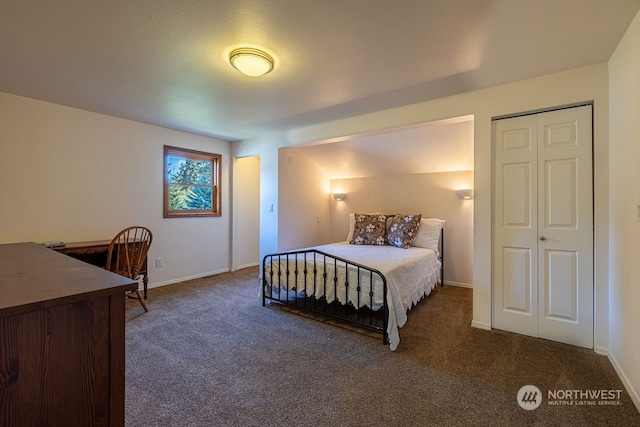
280 287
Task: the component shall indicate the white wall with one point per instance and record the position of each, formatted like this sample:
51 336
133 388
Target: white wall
267 149
430 194
624 193
246 212
73 175
578 85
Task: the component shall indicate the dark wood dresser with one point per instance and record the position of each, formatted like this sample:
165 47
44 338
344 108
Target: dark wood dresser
62 340
95 253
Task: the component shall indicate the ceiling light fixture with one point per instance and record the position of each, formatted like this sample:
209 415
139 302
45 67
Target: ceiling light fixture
250 61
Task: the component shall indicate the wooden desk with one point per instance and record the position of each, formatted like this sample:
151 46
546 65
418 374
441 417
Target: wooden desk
95 253
62 341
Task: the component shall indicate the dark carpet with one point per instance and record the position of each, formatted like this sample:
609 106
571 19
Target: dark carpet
208 354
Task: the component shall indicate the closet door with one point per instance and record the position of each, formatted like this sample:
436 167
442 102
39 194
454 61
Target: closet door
515 210
543 226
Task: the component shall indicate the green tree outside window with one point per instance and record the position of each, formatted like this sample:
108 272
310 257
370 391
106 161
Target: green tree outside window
191 183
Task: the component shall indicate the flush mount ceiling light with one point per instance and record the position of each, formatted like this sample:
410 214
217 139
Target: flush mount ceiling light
250 61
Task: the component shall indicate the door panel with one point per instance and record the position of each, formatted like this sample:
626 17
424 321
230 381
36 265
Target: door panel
515 246
560 196
543 225
516 275
560 134
566 187
561 286
517 189
517 139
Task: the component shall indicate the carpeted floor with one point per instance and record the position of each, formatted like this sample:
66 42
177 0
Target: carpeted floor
208 354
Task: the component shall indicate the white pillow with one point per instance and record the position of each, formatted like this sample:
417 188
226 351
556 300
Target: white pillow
352 224
429 234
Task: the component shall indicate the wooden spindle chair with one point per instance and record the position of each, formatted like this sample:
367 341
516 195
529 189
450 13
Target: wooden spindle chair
126 255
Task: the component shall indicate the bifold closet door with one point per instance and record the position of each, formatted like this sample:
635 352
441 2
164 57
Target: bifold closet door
543 225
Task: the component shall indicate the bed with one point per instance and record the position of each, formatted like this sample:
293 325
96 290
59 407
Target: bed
370 285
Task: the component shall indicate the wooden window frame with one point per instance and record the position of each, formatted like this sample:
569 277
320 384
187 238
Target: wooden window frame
216 174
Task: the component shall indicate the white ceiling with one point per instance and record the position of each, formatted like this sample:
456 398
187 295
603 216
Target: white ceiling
165 62
442 146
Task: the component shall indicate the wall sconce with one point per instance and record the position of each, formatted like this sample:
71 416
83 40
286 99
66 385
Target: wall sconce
465 194
339 196
252 62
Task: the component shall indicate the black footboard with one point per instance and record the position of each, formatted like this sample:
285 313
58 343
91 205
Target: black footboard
320 283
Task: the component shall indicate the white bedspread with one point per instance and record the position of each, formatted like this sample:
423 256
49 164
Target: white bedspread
411 274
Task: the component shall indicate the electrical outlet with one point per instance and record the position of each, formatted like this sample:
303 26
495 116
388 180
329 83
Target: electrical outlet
159 262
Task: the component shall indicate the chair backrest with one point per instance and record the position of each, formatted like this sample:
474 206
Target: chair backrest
128 250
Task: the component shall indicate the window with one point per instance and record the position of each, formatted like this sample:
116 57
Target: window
191 183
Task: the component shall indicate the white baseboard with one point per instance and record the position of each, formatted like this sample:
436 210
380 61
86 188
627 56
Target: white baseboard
602 351
625 381
480 325
461 285
253 264
182 279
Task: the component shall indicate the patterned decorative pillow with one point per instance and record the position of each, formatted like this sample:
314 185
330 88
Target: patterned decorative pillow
352 224
403 229
369 230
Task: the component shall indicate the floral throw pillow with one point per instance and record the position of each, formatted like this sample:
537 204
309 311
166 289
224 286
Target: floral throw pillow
403 229
369 230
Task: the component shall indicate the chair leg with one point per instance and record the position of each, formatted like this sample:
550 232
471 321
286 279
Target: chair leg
144 304
138 296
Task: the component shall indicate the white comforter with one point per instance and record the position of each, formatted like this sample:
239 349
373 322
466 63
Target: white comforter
411 274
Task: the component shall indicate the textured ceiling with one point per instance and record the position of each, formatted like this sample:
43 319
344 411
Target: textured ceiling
165 62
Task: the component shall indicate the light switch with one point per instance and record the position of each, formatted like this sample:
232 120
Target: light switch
318 219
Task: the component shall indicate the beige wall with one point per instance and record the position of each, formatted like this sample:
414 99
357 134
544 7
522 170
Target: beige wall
624 193
74 175
431 194
307 215
303 202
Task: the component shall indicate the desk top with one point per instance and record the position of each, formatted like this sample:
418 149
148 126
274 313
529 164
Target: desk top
82 245
33 277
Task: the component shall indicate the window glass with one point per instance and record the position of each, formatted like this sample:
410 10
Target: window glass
191 183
